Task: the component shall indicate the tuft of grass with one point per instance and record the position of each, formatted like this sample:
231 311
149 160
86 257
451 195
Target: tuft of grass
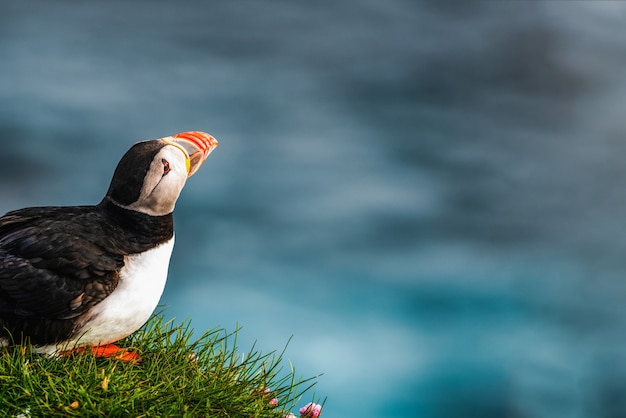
178 376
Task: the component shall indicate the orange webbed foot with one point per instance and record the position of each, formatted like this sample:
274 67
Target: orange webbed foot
113 352
107 351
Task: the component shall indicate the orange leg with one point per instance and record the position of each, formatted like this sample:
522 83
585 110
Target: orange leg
109 352
113 352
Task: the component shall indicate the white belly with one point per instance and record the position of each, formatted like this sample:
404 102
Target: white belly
137 294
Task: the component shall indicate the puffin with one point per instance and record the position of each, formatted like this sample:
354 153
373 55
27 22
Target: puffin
75 278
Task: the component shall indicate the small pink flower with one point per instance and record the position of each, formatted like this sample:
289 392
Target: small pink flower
273 401
311 410
290 415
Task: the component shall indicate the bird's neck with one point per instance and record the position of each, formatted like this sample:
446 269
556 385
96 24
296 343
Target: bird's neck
143 227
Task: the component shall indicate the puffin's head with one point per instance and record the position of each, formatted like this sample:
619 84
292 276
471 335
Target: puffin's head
151 175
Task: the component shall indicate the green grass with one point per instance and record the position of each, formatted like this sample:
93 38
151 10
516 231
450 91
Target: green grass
179 376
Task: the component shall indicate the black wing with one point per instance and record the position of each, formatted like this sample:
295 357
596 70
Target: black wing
53 266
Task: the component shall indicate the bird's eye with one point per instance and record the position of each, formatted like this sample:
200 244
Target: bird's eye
166 166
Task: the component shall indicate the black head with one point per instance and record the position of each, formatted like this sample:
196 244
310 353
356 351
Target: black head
151 175
131 171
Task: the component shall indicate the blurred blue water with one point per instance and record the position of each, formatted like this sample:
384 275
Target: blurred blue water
427 196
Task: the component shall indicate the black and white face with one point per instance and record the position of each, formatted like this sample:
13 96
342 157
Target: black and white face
151 175
163 182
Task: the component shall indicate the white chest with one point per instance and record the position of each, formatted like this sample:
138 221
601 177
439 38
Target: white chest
137 294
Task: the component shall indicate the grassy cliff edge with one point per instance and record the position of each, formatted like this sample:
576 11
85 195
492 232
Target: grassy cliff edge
178 376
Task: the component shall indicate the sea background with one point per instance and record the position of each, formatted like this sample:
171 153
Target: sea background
428 197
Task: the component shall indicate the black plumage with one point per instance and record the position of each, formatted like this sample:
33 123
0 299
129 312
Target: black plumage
57 264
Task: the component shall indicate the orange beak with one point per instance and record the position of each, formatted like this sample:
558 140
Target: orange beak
196 146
